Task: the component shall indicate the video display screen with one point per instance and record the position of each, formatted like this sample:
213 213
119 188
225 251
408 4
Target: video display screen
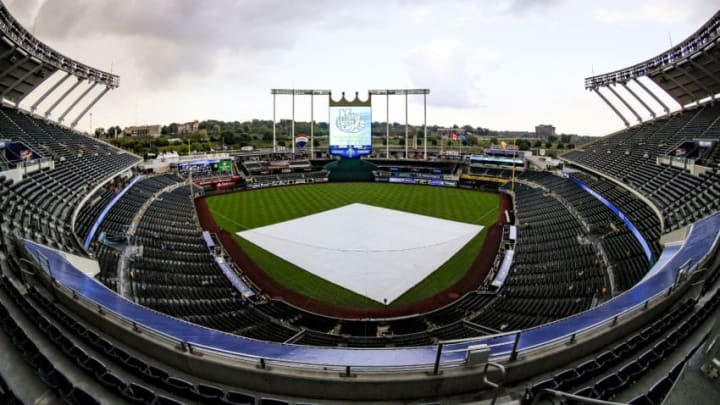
350 131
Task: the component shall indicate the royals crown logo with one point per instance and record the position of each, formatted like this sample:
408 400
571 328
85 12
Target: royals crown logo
348 121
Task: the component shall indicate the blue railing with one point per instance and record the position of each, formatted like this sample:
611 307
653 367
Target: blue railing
701 241
106 210
631 226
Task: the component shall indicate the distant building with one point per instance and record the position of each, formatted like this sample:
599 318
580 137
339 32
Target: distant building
143 130
544 131
188 127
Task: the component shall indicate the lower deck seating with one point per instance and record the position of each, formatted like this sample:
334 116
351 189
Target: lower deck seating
621 249
556 271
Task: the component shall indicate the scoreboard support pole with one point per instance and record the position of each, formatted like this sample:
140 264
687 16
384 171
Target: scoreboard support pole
387 126
293 93
404 92
406 126
425 126
386 93
312 126
274 147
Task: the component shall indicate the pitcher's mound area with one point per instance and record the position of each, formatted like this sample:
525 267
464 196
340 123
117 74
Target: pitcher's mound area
375 252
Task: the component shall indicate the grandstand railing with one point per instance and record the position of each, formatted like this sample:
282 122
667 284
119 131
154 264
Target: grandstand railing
615 210
106 210
631 190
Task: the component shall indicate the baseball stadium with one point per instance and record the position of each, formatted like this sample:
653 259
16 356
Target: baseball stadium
355 270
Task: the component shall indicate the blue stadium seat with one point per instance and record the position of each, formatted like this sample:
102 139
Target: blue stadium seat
209 392
608 386
139 394
273 401
659 390
632 372
79 397
239 398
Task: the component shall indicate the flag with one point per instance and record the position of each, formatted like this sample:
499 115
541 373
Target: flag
463 138
454 136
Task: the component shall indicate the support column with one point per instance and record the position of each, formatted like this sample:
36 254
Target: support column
8 53
688 92
60 100
312 126
655 97
274 147
641 101
625 103
292 125
406 125
627 124
50 91
387 126
707 72
75 103
699 84
19 81
425 126
14 66
89 106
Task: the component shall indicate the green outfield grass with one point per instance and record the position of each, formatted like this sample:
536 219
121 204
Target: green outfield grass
245 210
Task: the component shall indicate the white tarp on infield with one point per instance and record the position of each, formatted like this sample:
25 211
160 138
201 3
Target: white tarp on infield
375 252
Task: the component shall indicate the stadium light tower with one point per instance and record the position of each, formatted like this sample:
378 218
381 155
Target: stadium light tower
293 93
403 92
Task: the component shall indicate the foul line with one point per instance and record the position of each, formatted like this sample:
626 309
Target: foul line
485 215
228 219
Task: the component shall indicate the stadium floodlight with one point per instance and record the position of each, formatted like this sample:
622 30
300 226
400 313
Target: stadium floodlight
293 93
403 92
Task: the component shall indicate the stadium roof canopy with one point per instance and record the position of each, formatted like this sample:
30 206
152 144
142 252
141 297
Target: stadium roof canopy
26 63
688 72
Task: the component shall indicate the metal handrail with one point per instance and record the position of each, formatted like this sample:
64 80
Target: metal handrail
335 367
453 361
493 384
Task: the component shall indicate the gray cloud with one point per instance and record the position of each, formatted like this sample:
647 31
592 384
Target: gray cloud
455 73
169 38
527 6
23 10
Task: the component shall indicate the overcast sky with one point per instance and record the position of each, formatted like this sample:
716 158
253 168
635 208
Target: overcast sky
507 64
